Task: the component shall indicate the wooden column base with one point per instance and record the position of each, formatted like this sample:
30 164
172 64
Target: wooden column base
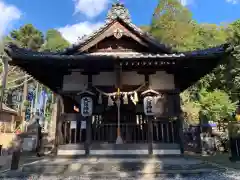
150 135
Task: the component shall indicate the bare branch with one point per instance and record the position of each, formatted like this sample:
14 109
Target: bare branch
12 69
18 79
14 87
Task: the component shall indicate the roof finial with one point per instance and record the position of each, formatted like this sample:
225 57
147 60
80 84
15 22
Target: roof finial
118 10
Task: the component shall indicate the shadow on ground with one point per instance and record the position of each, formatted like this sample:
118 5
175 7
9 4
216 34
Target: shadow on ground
115 167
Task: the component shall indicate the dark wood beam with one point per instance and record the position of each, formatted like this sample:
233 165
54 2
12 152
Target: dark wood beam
118 74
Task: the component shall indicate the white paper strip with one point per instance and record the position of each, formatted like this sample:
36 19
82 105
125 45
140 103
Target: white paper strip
83 124
73 125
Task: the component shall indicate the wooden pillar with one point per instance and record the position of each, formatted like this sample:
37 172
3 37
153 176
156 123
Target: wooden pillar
150 135
88 134
118 86
179 120
57 122
88 123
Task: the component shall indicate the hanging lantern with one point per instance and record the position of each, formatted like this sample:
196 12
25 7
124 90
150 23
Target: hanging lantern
148 105
86 106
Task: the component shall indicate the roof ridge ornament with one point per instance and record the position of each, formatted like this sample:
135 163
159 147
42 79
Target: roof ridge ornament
118 10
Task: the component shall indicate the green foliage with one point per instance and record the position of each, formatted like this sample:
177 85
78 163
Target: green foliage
190 107
216 105
173 25
28 37
26 103
54 41
145 28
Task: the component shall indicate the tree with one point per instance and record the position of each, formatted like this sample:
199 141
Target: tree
216 105
28 36
145 28
54 41
172 24
191 108
232 70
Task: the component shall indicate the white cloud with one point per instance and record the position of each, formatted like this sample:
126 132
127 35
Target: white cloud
186 2
8 14
73 32
90 8
233 1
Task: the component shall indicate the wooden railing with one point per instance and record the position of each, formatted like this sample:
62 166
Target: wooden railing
163 132
130 133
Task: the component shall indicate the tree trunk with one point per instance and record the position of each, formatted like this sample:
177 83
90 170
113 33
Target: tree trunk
25 93
4 80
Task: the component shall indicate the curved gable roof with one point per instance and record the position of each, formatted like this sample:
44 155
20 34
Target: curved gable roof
118 12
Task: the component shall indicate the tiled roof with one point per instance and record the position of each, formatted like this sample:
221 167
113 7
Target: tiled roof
15 52
117 12
129 55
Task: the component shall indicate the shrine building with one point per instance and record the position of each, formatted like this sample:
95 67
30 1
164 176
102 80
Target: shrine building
118 89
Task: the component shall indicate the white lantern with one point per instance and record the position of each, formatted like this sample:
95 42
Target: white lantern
148 105
86 106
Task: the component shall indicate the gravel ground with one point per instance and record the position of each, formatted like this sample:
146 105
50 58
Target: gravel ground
228 175
173 169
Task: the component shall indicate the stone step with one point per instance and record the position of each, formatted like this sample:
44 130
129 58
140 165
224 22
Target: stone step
116 167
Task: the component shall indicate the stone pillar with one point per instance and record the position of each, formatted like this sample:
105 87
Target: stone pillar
53 123
17 145
55 134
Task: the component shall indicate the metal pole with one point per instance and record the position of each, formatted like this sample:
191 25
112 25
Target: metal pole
118 102
118 111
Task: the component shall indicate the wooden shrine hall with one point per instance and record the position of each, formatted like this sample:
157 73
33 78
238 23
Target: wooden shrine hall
118 88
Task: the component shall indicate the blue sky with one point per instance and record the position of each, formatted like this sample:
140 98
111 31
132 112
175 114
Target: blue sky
73 18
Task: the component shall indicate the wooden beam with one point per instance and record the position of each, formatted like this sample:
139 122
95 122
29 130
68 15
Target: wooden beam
179 121
88 123
118 73
146 71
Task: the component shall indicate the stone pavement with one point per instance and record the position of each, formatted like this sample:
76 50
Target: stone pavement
218 158
27 157
125 168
